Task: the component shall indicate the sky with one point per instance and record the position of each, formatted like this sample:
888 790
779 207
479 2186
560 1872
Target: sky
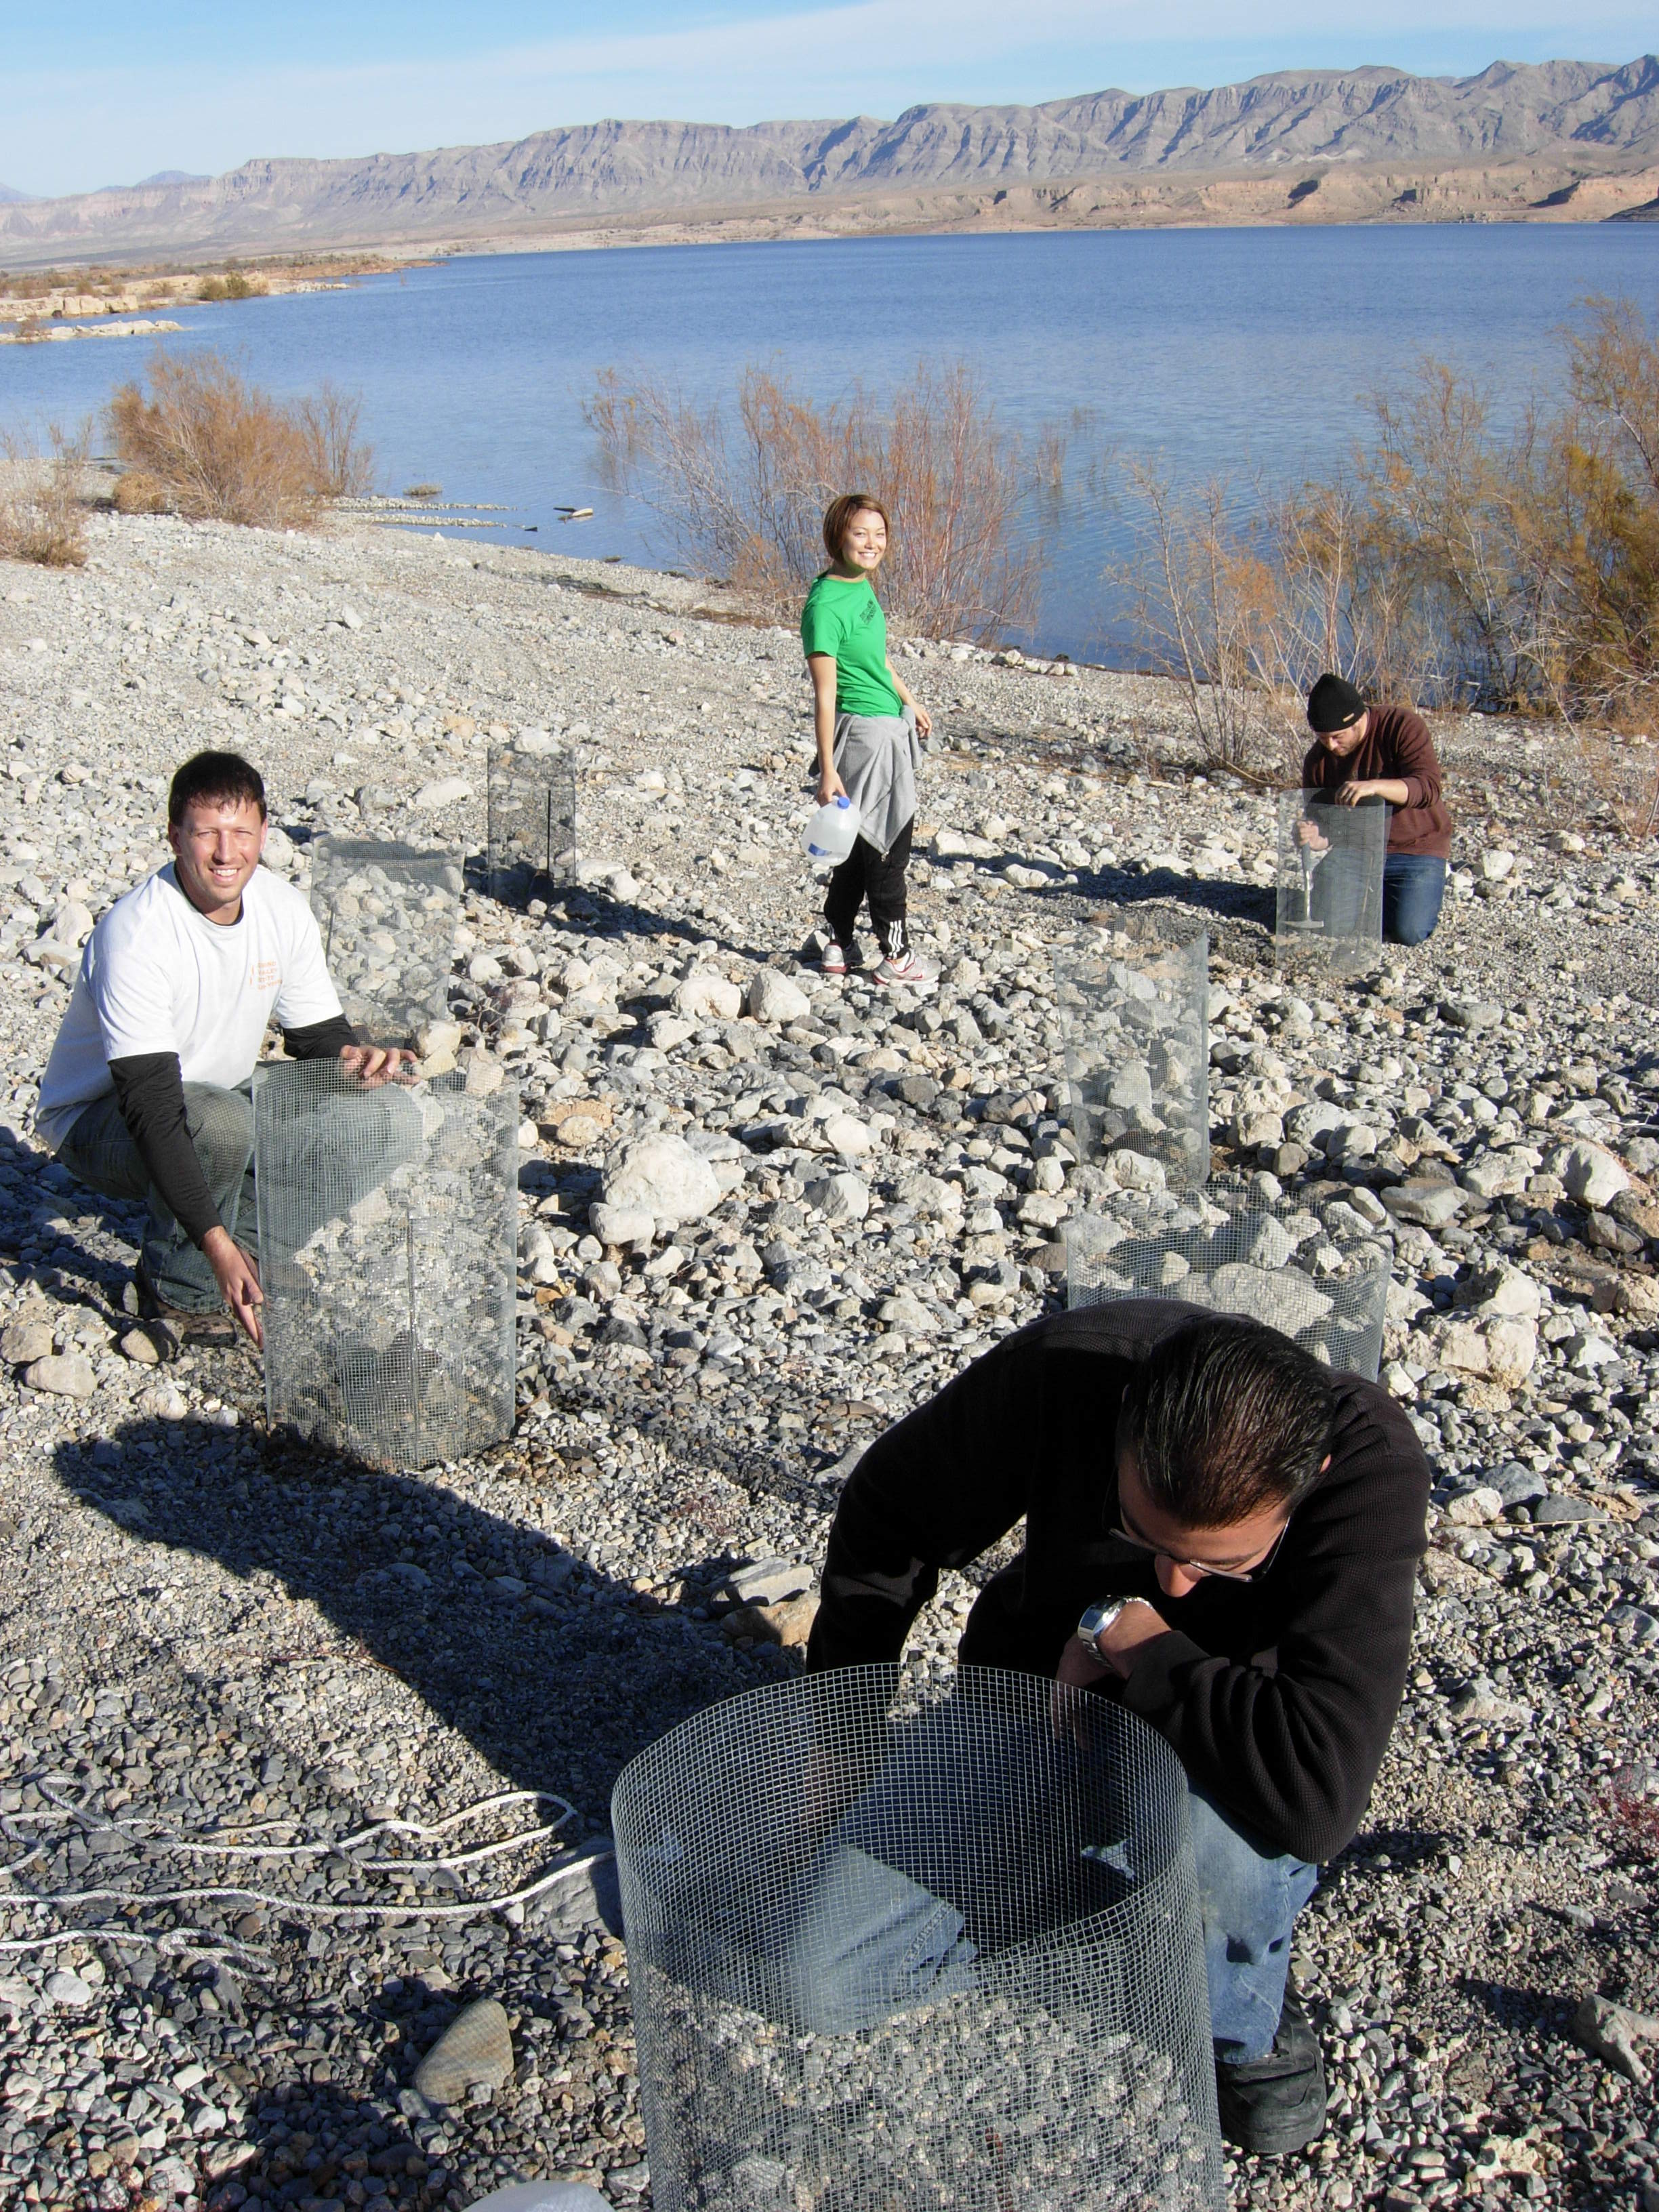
105 92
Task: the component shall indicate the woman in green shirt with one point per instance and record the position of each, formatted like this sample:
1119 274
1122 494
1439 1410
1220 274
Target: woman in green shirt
867 726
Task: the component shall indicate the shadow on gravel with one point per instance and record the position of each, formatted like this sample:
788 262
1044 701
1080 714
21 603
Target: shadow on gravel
556 1673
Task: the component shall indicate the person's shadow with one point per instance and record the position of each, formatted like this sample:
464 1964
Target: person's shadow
557 1673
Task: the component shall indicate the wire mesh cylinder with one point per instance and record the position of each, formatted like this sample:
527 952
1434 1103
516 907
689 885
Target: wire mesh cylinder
389 916
1321 1276
388 1225
1330 882
1133 998
532 817
940 1954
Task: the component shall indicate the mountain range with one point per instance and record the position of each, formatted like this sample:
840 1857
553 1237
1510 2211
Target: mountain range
1586 119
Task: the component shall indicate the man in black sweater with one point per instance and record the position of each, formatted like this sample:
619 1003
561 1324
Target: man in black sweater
147 1092
1219 1533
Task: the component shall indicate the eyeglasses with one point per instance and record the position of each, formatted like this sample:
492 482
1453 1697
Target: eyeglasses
1197 1567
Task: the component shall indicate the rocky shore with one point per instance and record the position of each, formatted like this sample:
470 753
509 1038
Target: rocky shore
300 1760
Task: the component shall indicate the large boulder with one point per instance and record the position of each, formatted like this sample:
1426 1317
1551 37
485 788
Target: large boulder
662 1177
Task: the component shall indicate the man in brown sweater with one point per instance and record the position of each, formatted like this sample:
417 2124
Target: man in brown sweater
1220 1533
1386 752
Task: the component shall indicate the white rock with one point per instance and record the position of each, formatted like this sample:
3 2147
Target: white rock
71 925
447 791
64 1375
1474 1509
621 1225
662 1175
1495 864
1593 1176
706 995
776 998
665 1030
1511 1350
1512 1295
67 1988
844 1197
850 1137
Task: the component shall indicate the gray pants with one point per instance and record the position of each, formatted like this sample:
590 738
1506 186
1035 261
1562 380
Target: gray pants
99 1151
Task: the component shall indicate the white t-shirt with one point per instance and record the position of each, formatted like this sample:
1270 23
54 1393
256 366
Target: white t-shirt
159 976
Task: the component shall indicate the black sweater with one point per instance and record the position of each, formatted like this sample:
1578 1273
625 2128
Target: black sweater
1278 1694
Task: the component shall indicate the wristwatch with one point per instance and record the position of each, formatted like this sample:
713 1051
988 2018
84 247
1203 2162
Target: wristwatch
1096 1620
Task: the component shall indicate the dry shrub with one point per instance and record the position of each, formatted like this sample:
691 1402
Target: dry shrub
235 286
224 451
747 496
343 465
139 493
42 515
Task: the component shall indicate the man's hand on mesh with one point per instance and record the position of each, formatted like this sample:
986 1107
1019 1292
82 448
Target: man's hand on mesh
374 1064
238 1279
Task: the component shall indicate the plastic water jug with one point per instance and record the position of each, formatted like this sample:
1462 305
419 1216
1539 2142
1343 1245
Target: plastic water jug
832 832
543 2196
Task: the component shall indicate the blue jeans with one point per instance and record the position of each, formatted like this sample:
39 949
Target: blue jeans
1413 884
1249 1896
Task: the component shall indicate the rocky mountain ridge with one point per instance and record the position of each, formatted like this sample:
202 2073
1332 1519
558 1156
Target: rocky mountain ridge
1591 117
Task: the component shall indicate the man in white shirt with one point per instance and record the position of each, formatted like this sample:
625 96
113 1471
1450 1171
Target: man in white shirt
148 1091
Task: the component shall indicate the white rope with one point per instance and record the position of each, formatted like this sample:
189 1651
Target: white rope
298 1908
149 1832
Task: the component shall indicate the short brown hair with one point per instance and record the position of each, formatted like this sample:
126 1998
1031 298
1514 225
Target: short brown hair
217 780
840 512
1226 1418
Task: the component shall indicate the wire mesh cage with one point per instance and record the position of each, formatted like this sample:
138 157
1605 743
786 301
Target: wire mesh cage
1321 1276
1330 882
532 817
388 1224
1133 997
896 1950
388 915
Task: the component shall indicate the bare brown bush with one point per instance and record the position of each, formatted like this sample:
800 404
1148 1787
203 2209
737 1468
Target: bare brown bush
747 495
224 451
43 516
343 465
138 492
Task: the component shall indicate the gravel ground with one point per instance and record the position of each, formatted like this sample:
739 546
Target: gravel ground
225 1656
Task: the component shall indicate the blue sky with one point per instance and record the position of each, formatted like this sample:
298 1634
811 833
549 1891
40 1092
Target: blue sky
96 92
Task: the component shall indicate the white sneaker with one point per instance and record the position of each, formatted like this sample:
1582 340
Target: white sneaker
832 961
905 971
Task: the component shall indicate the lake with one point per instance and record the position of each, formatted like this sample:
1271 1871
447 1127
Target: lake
1247 353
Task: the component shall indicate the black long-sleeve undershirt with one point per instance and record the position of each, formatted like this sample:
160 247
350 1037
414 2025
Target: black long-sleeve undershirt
150 1090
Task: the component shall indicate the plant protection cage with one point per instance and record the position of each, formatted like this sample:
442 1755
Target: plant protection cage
935 1952
1133 997
388 1220
388 915
1330 882
1318 1275
532 817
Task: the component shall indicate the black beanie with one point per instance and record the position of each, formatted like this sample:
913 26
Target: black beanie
1333 704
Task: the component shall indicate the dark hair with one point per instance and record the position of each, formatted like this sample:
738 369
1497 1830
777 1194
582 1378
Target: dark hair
840 512
1333 704
222 779
1226 1419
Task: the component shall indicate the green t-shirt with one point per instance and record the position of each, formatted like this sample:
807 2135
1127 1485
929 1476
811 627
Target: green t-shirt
843 616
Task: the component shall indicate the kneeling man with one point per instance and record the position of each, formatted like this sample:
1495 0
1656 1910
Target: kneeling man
1221 1533
148 1091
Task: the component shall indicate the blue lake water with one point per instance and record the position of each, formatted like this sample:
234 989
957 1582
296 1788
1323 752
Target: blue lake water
1247 353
